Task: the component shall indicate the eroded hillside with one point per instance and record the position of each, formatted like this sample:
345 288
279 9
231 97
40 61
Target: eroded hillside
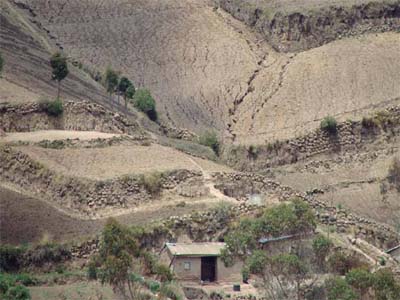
208 69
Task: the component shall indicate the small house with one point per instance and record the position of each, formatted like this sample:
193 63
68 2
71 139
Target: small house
200 262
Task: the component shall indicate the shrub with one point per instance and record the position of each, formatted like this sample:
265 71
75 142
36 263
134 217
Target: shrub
47 253
18 292
341 263
152 183
338 289
170 291
52 108
10 258
369 123
245 274
163 273
329 124
153 286
210 139
143 101
385 285
360 279
92 271
321 246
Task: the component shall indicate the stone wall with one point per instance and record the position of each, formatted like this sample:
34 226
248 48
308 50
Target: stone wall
350 136
82 116
240 185
83 197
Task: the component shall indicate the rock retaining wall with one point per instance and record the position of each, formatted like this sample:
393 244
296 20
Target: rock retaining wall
82 116
350 136
84 197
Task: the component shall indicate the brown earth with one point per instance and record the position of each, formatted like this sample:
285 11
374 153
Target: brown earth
116 161
215 72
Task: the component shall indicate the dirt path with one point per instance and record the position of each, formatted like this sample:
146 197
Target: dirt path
210 184
52 135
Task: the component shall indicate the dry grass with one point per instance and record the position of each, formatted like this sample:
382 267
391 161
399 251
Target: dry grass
116 161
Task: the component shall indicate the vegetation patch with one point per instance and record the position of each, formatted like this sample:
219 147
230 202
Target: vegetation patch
329 124
53 108
210 139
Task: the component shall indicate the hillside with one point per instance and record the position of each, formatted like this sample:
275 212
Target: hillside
227 77
268 112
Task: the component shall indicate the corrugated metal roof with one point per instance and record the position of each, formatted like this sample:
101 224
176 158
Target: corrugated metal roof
195 249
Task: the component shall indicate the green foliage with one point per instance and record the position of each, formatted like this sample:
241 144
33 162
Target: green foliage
10 258
257 262
294 218
152 183
124 84
58 63
210 139
329 124
92 271
47 253
110 80
53 108
245 274
394 174
360 279
321 247
340 263
385 285
144 102
18 292
115 258
153 286
163 273
338 289
130 92
12 287
1 63
170 291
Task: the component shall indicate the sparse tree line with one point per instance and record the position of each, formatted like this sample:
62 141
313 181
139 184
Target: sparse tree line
121 86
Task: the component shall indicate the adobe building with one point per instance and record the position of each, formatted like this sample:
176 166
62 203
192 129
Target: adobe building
200 262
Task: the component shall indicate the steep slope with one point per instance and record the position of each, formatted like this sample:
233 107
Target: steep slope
208 69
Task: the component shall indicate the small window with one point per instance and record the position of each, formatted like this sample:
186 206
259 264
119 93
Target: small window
187 265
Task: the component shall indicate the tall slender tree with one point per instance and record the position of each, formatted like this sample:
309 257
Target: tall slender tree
111 81
123 86
59 65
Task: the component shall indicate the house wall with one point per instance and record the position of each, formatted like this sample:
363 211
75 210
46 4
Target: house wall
194 274
223 274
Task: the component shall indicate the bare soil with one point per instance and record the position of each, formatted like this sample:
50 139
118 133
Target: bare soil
53 135
115 161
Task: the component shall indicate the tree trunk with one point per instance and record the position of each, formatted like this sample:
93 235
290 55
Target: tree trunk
58 89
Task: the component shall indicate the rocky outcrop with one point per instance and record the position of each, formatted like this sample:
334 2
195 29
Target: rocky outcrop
82 115
350 136
290 30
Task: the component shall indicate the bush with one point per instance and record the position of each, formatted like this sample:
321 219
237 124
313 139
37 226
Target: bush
52 108
144 102
321 246
153 286
170 291
163 273
329 124
92 271
210 139
47 253
385 285
338 289
18 292
10 258
369 123
152 183
1 63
